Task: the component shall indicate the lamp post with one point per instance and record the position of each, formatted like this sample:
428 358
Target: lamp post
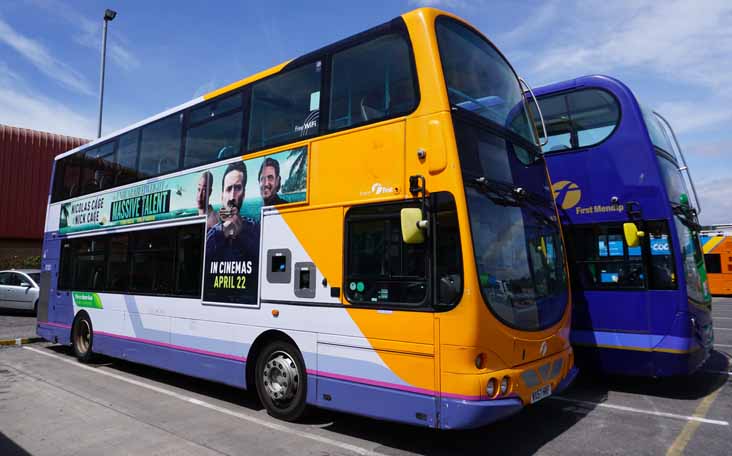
108 16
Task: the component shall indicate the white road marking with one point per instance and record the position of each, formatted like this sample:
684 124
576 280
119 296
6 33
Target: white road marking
717 372
274 426
641 411
723 329
723 345
722 318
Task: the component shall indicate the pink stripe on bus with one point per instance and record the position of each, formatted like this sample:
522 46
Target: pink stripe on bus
58 325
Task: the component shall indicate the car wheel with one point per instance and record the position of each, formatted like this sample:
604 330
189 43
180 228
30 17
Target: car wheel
35 309
82 338
281 380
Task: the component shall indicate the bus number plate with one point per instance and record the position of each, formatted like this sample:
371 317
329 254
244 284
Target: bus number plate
541 393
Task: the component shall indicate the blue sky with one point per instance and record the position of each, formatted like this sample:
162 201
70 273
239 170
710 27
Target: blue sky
675 55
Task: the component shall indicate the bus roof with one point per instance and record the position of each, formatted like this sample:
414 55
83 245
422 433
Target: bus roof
593 80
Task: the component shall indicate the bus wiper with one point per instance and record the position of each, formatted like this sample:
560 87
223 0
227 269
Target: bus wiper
504 194
687 216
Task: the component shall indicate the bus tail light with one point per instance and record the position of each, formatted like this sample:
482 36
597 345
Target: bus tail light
490 388
504 385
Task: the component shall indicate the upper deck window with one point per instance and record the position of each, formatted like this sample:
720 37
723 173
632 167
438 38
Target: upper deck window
479 79
371 81
214 131
100 168
658 135
582 118
285 107
160 146
672 179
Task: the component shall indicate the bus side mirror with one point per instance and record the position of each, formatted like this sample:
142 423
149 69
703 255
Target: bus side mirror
632 234
412 225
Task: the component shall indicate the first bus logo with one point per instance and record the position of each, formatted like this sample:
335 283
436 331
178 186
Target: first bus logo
566 193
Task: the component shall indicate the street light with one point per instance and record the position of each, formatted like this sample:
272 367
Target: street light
109 15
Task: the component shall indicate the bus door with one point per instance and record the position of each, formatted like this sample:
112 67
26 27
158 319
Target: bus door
665 299
611 306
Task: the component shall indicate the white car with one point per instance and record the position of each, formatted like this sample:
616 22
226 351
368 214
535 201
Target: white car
19 289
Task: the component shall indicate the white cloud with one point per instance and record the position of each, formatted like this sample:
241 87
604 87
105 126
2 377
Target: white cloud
41 58
709 149
22 106
687 116
89 34
678 41
40 113
716 201
534 22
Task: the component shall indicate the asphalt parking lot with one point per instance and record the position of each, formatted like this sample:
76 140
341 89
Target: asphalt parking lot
17 324
51 404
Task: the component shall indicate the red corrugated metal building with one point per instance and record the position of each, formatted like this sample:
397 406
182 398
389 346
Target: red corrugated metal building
26 161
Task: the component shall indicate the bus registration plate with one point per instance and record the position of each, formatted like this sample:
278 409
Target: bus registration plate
541 393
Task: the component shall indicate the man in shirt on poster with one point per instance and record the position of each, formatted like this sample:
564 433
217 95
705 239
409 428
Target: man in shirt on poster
270 182
232 245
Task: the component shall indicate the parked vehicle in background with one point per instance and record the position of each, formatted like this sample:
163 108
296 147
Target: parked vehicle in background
19 289
641 298
717 246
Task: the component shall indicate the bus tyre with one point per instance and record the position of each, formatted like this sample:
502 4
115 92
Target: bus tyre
82 338
281 380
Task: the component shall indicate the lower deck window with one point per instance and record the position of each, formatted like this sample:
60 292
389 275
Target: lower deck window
165 261
380 268
604 261
713 262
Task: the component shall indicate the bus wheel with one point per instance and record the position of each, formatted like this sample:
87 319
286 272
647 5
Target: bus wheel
82 338
281 380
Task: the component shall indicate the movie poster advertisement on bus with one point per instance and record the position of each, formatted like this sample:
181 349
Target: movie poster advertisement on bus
239 191
155 201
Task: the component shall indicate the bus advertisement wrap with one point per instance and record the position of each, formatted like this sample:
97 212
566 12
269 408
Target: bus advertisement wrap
162 200
229 197
179 197
239 190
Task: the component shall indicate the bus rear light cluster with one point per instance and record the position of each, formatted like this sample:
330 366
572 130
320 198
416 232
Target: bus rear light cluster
504 385
494 389
490 388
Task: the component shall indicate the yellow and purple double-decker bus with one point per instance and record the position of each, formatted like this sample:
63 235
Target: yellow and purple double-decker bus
366 228
641 297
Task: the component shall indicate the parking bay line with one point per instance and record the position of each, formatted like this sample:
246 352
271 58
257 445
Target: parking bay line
682 440
717 372
641 411
191 400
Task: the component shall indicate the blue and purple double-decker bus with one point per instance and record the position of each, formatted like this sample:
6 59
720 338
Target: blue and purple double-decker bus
642 302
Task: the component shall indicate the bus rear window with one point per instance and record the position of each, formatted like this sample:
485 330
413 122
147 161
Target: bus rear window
582 118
